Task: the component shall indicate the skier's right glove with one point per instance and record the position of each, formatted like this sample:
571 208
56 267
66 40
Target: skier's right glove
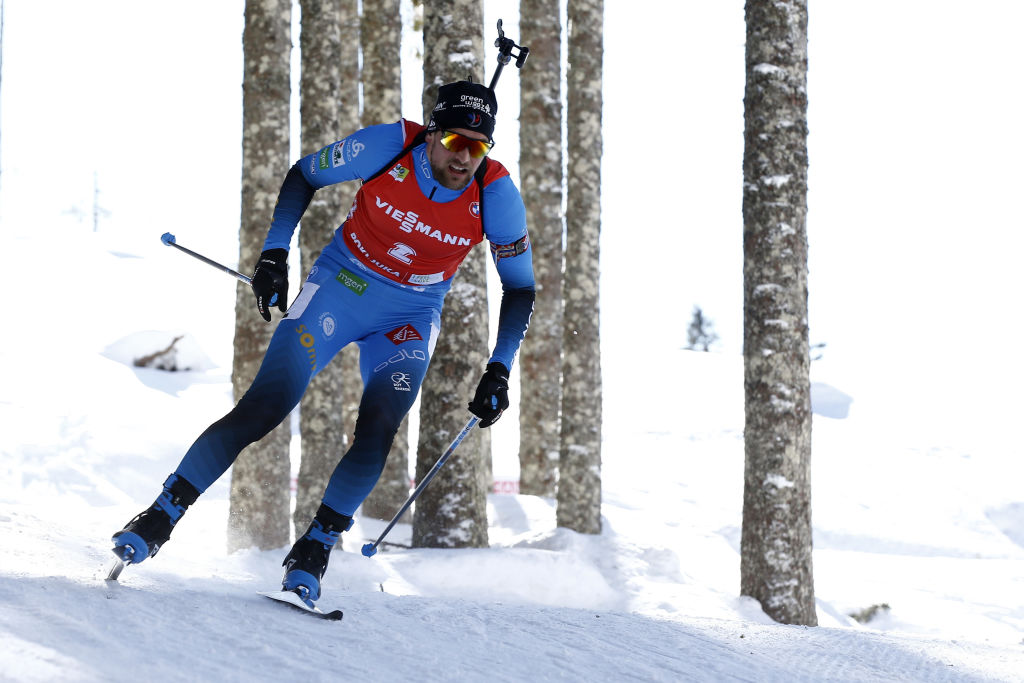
270 281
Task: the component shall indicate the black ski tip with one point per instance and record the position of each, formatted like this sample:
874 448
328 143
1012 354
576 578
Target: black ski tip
293 600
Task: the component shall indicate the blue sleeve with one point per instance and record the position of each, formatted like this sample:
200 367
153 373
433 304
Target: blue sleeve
505 228
358 156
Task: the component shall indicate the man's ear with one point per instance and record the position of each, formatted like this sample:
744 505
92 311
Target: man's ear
430 137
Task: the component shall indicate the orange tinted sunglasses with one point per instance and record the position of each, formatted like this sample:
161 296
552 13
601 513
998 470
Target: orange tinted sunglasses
455 142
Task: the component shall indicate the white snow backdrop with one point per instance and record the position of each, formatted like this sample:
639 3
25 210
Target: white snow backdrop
914 231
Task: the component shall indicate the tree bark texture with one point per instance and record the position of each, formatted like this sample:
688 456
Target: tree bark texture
382 63
579 481
776 566
540 171
453 46
381 37
329 107
452 511
347 360
260 496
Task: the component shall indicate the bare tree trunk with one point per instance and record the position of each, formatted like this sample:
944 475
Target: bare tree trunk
382 103
452 511
579 482
260 477
347 361
329 110
382 67
540 171
776 536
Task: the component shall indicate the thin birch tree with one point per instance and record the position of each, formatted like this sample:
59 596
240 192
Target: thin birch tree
381 76
579 480
540 172
381 39
259 499
775 544
329 107
452 511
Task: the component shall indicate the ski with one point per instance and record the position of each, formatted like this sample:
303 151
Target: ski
290 598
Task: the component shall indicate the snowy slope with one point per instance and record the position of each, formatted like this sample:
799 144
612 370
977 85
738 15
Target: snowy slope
917 463
933 531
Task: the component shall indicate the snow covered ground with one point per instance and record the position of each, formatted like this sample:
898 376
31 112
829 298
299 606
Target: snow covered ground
934 531
914 234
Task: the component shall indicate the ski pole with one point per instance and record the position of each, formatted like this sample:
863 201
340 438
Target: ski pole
168 239
370 549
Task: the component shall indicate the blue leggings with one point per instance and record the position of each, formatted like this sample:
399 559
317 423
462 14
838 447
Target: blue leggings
395 330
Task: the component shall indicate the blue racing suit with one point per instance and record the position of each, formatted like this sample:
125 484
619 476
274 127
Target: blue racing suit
343 300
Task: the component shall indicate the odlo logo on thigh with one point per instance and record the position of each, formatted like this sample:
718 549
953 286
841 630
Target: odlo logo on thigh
403 354
308 342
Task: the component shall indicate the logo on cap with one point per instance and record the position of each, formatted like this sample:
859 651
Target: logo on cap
473 120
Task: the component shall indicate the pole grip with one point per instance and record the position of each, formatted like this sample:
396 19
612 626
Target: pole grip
505 47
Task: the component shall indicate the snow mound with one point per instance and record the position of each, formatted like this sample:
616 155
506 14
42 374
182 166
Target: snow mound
161 350
828 401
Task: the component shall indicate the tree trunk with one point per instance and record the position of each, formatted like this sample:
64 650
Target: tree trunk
382 68
382 103
776 536
260 477
579 481
540 171
329 110
452 511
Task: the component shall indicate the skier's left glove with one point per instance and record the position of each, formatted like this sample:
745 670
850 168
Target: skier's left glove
270 280
491 396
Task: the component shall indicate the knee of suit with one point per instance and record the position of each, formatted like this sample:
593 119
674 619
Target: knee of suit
376 427
261 412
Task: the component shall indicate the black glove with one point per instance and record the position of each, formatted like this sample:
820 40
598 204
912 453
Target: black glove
270 279
491 396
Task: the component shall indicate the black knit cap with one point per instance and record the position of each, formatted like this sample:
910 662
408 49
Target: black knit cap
464 105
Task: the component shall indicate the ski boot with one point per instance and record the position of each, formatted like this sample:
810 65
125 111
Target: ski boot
148 531
307 561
